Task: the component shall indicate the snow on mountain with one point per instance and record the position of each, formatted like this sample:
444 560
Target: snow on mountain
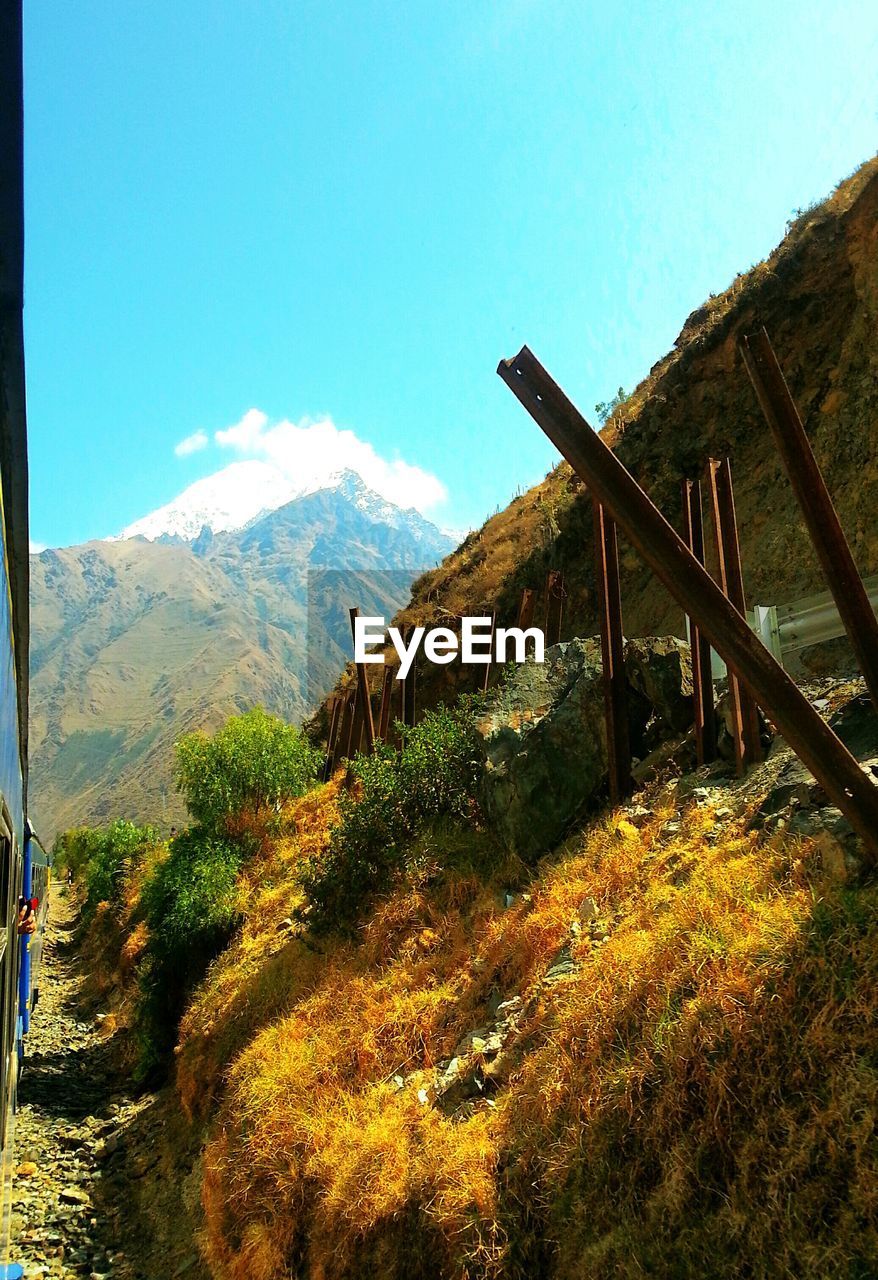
240 493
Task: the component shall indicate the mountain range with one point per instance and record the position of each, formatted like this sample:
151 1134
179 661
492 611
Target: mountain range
205 608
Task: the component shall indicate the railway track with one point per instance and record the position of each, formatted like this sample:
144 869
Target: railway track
70 1131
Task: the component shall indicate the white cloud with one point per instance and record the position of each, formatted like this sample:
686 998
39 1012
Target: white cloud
192 444
37 547
311 453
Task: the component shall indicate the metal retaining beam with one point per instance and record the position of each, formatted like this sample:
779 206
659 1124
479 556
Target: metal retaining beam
702 675
526 609
821 517
555 596
410 686
485 680
696 592
332 737
386 694
612 654
345 734
364 702
745 717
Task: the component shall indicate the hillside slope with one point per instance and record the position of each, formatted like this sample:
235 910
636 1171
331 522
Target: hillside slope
136 642
817 295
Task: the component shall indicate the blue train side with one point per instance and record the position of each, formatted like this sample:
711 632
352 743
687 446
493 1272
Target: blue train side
36 875
22 863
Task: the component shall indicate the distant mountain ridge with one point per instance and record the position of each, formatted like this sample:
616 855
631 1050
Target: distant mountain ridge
138 639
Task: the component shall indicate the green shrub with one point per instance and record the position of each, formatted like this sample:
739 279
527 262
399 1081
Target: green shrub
191 909
255 761
434 776
610 408
104 856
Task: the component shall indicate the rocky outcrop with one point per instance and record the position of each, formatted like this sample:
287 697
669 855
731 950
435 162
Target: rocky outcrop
659 675
544 736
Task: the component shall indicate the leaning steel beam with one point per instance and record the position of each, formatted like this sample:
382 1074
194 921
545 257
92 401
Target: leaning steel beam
697 593
364 702
702 675
745 717
820 514
606 554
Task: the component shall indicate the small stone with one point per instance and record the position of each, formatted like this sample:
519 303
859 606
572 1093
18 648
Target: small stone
73 1195
27 1169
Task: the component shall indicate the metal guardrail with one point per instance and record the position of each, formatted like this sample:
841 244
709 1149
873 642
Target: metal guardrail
784 629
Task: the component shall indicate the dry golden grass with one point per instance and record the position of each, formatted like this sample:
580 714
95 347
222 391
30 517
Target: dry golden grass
697 1099
267 966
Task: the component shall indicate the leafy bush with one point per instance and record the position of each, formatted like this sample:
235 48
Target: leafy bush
255 761
191 910
433 776
104 855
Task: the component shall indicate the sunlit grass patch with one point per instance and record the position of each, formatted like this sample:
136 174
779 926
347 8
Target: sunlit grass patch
636 1119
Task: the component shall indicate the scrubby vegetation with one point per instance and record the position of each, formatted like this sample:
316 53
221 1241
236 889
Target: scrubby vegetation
397 796
183 904
689 1095
191 907
104 857
651 1054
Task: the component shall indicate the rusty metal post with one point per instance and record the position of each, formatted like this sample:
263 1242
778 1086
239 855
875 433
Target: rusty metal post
356 743
386 691
612 654
487 676
410 686
745 717
821 517
555 594
364 702
526 609
346 733
702 671
695 591
334 723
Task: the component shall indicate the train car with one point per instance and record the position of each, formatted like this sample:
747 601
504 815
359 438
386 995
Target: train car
36 880
14 586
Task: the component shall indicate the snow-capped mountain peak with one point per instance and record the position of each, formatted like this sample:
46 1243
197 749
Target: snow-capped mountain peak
240 493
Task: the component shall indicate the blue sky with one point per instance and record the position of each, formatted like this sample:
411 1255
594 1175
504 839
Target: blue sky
351 212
